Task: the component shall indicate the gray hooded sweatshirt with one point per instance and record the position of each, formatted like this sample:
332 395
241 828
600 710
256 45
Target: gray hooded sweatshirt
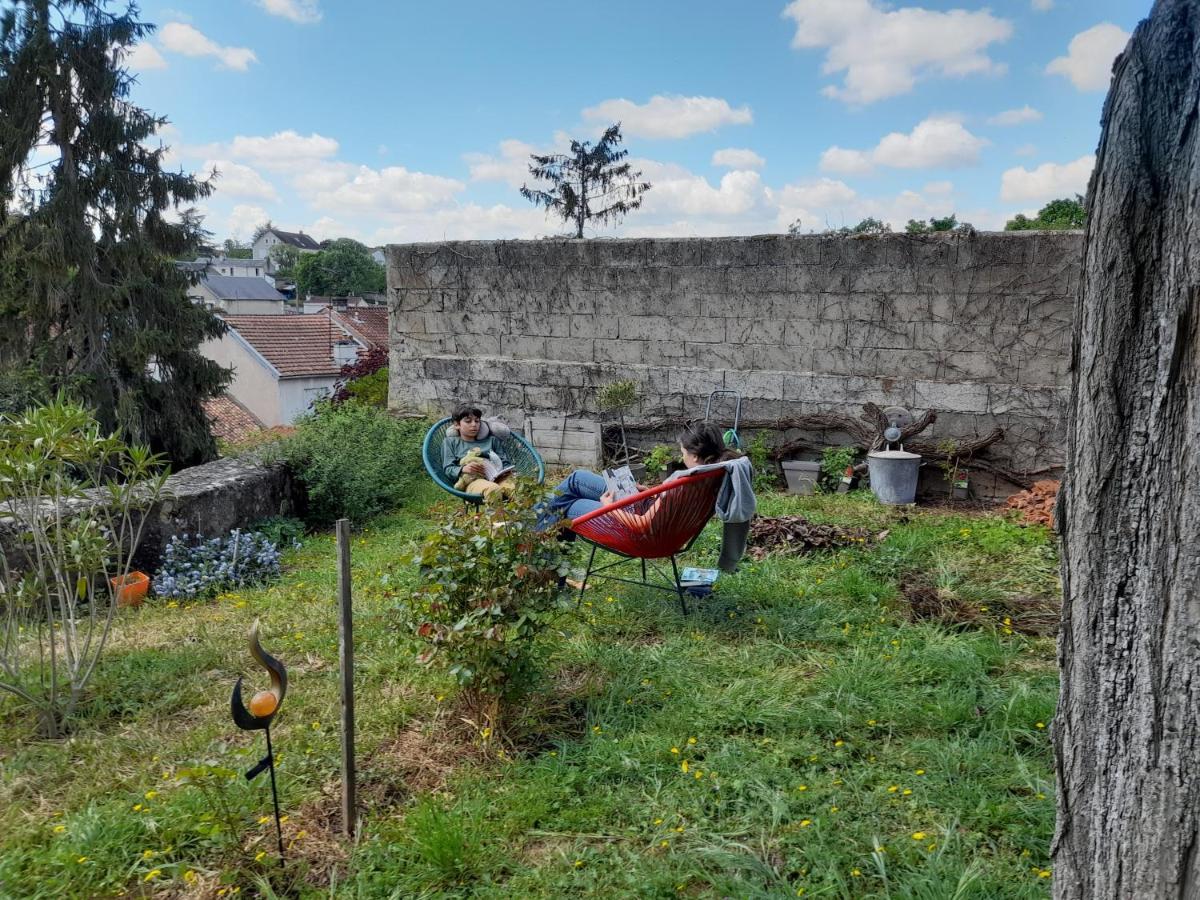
736 506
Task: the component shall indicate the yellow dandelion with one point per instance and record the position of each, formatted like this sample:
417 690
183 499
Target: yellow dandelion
596 729
679 829
148 854
1040 725
838 743
1040 795
190 877
675 750
856 872
833 809
920 771
59 829
263 820
684 766
804 823
1044 873
893 788
918 836
664 843
802 787
150 795
691 740
485 733
137 807
579 863
152 874
658 821
260 855
81 860
698 774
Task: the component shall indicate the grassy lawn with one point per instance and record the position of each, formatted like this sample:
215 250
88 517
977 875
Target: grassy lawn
797 734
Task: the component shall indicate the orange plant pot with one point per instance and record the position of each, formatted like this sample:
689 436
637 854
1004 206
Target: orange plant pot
131 589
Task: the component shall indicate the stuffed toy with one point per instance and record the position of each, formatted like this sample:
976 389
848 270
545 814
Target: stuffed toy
467 477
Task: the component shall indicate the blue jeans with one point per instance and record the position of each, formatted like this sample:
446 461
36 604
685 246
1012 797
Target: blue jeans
575 495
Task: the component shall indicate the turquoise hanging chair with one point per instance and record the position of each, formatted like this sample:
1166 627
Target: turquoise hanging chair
519 451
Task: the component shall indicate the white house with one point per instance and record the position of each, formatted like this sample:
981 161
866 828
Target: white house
281 364
237 295
241 268
273 237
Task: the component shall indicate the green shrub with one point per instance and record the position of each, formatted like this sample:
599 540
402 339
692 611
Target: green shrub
766 471
489 586
834 461
657 459
370 389
282 531
356 461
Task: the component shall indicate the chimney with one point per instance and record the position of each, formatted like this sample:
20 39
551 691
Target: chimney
345 352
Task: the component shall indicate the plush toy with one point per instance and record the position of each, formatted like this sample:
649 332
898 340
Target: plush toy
467 477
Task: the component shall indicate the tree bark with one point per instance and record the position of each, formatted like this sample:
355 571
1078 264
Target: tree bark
1126 735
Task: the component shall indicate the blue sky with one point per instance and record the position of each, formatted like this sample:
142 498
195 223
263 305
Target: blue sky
391 121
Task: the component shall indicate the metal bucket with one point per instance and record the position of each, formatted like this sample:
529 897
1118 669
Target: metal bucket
894 475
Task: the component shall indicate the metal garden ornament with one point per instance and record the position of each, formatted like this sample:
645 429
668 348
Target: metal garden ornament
264 706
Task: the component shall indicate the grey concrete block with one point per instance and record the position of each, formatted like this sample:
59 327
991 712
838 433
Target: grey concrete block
570 349
815 335
519 346
952 396
695 382
585 326
754 331
1023 400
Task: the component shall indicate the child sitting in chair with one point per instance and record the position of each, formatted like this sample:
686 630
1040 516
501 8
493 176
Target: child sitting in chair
468 442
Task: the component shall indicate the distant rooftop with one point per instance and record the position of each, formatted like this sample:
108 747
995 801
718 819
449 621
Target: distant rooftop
368 323
237 287
296 239
295 345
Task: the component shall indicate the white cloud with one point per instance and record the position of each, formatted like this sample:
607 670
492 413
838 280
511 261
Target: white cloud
883 52
668 117
1042 5
143 57
738 158
935 142
236 180
242 221
393 189
511 166
1090 55
846 162
938 187
302 12
189 41
1047 182
1026 150
283 150
1016 116
677 191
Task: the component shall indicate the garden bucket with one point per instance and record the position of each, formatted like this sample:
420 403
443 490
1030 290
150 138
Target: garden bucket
131 589
894 475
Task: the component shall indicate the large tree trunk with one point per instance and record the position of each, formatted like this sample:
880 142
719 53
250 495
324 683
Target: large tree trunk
1126 735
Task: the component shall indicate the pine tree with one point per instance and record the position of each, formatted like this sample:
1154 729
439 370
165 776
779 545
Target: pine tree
587 183
90 224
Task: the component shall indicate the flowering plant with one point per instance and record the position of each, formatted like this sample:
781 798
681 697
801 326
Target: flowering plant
489 587
200 568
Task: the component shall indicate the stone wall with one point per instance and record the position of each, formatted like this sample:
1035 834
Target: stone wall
976 326
209 500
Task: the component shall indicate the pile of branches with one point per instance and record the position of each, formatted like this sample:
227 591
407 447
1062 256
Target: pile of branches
1036 505
795 534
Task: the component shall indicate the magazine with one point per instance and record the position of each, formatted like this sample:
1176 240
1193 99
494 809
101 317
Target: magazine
692 576
496 470
620 482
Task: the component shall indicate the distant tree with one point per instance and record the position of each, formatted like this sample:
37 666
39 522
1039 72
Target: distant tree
796 228
344 268
866 226
591 183
1057 215
235 249
90 297
285 257
259 231
949 223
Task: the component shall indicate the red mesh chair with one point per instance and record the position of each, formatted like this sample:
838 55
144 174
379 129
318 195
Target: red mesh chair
657 523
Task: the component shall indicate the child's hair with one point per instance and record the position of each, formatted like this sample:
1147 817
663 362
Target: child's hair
706 442
464 410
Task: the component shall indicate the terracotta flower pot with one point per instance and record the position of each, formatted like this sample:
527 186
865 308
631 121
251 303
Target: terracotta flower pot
131 589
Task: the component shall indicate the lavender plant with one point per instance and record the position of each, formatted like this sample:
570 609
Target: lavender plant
195 567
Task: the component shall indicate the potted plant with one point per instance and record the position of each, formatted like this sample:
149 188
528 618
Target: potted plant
615 399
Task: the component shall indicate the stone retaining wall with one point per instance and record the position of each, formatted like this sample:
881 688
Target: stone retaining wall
974 325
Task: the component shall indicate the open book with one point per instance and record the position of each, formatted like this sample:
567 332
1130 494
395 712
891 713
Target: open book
620 482
496 470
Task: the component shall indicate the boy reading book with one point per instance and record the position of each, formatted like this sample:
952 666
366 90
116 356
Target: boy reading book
479 458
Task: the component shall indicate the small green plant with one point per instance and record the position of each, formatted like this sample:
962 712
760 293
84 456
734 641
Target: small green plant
444 841
834 462
657 459
78 497
282 531
355 460
618 397
950 465
489 586
766 474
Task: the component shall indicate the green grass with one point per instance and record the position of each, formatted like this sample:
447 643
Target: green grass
823 732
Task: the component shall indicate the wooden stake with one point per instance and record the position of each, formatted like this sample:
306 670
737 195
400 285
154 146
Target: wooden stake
346 664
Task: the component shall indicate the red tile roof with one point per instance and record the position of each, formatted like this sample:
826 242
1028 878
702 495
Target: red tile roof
370 323
295 345
230 420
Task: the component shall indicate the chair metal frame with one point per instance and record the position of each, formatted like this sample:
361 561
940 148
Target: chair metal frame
674 585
